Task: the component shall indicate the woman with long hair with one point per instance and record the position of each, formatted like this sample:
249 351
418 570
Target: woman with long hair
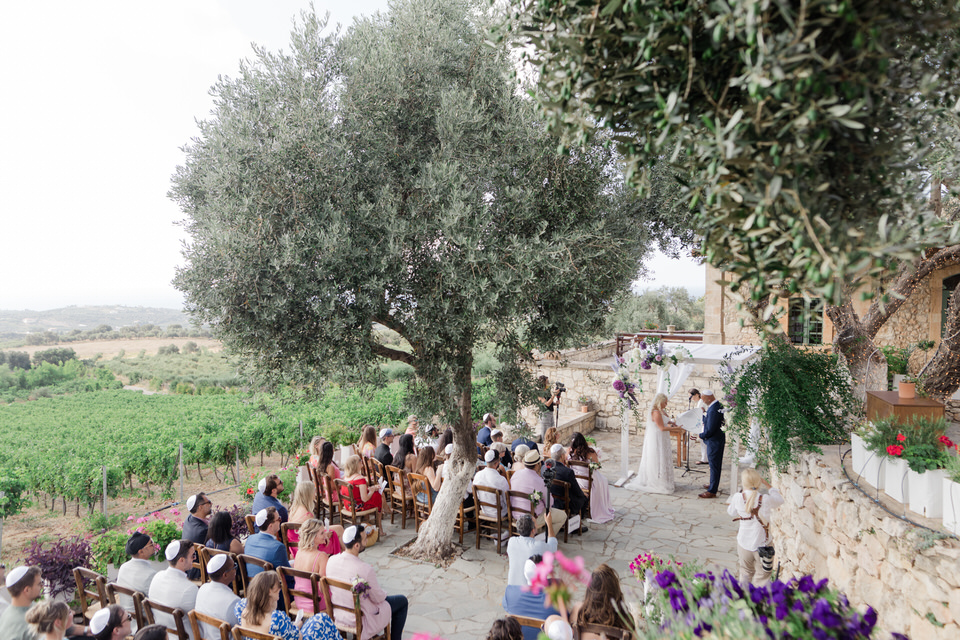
655 474
445 438
258 612
327 466
405 458
550 438
365 496
315 446
603 602
505 629
368 441
302 510
424 467
317 544
50 620
752 509
601 509
220 534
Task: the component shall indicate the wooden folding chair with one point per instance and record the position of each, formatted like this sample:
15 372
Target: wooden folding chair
331 501
206 553
564 494
583 471
535 623
420 486
291 545
200 566
331 586
590 631
251 521
315 594
517 511
120 595
91 599
209 623
168 616
350 508
245 576
493 526
399 500
242 633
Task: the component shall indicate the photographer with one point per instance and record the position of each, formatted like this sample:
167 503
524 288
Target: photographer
752 509
550 399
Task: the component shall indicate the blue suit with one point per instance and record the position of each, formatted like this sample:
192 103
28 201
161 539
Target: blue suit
716 440
483 436
527 604
261 501
265 547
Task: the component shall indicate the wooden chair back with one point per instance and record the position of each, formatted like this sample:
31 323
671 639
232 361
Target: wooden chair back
242 633
291 545
172 616
350 507
590 631
420 486
583 472
137 598
331 501
517 510
91 591
243 561
562 490
315 594
206 553
535 623
332 586
377 474
399 500
251 521
489 526
203 633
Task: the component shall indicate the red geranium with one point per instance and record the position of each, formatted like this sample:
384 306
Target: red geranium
894 450
250 491
901 437
947 442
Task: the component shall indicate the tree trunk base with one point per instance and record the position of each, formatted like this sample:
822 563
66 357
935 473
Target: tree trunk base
441 555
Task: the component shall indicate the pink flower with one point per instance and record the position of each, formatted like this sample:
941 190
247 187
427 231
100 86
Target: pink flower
573 566
129 518
901 437
175 512
141 520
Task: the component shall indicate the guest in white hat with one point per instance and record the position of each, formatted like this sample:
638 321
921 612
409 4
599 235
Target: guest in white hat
24 585
506 456
265 544
197 522
216 598
112 623
171 587
489 424
491 478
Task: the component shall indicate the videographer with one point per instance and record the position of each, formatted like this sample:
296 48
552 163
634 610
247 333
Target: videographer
550 399
752 509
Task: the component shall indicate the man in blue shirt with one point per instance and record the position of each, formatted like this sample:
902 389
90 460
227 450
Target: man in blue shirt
519 602
266 544
272 488
489 424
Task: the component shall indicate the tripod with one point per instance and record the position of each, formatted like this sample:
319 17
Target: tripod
686 440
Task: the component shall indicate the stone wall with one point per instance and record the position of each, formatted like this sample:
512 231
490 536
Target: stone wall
829 529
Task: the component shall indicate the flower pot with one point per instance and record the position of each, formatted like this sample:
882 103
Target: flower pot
895 478
907 390
925 491
951 505
867 465
584 408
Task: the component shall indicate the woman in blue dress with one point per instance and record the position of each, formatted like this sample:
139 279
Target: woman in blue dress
258 612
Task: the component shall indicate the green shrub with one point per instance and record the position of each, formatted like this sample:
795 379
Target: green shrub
109 548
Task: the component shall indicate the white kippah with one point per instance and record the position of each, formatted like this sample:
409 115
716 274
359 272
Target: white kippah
560 630
99 621
172 550
216 563
262 485
16 575
495 433
490 455
529 570
261 517
486 417
707 392
192 500
350 534
447 450
556 448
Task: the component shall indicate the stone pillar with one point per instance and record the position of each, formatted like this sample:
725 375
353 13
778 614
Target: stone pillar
713 308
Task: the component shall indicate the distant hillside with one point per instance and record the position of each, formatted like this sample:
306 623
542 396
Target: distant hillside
85 318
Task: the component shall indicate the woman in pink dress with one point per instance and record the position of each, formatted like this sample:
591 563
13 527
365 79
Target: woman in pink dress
317 544
302 509
600 508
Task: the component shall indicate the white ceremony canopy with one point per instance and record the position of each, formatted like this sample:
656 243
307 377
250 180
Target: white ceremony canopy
701 355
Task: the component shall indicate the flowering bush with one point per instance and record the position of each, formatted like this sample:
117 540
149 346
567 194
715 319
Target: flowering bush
161 529
56 561
920 442
648 560
550 577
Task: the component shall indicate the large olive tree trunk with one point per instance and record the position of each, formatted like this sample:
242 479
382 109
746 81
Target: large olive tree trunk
940 377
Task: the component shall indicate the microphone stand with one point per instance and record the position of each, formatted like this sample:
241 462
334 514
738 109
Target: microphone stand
687 468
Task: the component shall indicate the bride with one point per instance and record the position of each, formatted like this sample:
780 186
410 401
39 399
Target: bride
655 474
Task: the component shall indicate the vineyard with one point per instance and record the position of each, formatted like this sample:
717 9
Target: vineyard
56 447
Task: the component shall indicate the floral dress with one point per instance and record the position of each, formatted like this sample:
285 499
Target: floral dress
317 627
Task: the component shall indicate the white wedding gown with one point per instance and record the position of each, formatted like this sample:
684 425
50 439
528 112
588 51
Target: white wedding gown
655 474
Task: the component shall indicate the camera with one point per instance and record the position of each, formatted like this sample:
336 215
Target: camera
766 557
548 473
558 388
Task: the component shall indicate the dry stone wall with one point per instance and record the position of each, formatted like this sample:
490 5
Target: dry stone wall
827 528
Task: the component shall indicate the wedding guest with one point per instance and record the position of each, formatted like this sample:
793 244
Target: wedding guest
259 612
445 438
489 476
25 585
364 496
49 620
489 424
506 456
368 441
112 623
220 534
327 466
152 632
317 544
527 480
521 441
752 509
413 423
578 501
383 453
601 508
216 597
550 438
522 601
406 457
507 629
524 546
196 524
521 451
171 587
316 443
270 496
136 573
603 602
425 468
265 544
302 509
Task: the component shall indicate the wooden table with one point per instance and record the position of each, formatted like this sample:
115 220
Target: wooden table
683 441
881 404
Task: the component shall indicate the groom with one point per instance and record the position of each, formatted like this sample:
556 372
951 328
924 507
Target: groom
715 439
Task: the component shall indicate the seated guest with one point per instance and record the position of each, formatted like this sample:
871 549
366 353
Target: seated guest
152 632
601 509
489 424
508 629
259 612
556 627
378 609
25 585
112 623
220 534
527 479
196 524
429 440
406 457
383 453
506 456
317 544
49 620
521 601
413 424
328 467
265 544
216 597
489 476
268 498
521 451
171 587
365 496
137 572
315 445
530 444
502 452
425 468
603 602
578 501
524 546
368 441
302 509
550 438
446 438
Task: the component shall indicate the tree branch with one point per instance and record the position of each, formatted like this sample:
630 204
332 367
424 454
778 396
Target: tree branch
391 354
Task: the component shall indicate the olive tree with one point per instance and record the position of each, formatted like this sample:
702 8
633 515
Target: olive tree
395 175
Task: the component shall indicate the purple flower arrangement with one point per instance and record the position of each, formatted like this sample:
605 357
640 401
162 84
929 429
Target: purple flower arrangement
622 384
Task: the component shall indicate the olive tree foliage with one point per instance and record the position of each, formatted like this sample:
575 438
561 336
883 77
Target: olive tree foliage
395 175
800 127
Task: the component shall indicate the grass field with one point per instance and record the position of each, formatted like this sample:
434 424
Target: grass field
110 348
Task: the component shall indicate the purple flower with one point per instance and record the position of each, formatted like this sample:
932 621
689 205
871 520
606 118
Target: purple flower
658 358
666 578
822 585
797 606
757 594
643 345
677 600
702 629
618 385
645 365
781 611
823 613
806 584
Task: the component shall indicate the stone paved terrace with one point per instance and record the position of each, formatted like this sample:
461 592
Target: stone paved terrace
461 602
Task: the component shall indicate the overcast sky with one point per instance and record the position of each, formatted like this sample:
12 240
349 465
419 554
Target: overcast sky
98 99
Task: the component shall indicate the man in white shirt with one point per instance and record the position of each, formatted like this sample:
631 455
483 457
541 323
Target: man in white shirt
216 598
489 476
523 547
136 573
171 587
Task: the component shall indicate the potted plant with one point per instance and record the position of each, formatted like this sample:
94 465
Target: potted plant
925 477
584 404
877 437
56 560
951 495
